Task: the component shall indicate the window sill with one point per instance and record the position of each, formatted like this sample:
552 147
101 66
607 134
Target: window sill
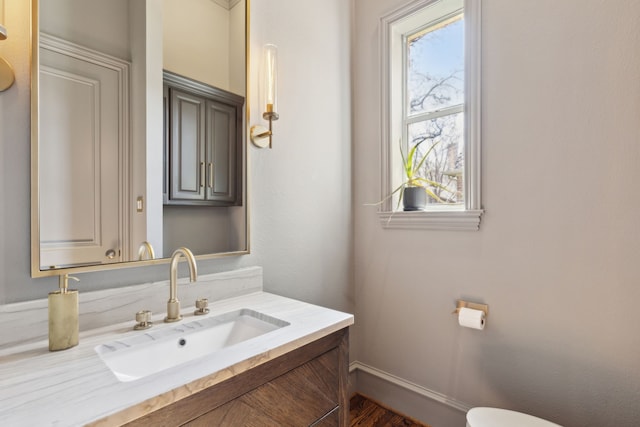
468 220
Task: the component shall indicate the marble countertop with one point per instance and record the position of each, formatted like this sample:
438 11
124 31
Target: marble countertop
74 386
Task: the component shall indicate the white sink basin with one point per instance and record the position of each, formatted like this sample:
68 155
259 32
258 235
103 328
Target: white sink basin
152 351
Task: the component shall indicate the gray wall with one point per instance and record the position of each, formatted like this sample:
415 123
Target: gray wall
300 196
556 257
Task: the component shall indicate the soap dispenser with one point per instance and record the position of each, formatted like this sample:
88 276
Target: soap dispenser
63 316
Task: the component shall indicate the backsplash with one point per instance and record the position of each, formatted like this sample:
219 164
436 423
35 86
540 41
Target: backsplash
28 321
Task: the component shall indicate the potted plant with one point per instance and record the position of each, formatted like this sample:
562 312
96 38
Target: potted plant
415 189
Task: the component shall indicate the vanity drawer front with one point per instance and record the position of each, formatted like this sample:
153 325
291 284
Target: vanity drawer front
298 398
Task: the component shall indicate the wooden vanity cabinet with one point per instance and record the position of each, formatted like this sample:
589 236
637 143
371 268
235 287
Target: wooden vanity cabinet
203 144
305 387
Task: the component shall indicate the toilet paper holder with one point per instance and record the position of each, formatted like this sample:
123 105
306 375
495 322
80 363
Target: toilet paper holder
473 305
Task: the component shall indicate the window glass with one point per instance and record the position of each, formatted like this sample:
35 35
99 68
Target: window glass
434 99
435 67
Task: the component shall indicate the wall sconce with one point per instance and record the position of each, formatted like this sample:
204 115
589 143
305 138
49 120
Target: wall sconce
6 72
268 89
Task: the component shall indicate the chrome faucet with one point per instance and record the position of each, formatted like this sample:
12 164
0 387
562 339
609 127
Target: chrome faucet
146 249
173 305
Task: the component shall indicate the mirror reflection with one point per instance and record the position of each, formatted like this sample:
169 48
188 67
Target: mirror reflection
140 130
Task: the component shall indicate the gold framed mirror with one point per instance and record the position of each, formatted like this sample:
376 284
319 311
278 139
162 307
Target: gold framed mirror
112 137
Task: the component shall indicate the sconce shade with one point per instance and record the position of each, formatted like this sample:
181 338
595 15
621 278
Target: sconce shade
268 90
269 80
3 32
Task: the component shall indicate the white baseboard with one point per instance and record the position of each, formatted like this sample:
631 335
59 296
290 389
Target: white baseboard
409 386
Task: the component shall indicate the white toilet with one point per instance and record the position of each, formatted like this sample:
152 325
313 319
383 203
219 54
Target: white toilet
494 417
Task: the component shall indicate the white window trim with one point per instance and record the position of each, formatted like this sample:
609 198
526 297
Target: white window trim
458 218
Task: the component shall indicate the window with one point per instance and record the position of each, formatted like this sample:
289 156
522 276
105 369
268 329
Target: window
430 113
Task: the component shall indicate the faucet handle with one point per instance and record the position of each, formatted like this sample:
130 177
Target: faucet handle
202 305
144 320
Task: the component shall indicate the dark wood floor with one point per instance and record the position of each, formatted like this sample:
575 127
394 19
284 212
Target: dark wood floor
365 412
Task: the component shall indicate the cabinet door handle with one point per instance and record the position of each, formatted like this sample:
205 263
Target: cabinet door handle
201 174
211 175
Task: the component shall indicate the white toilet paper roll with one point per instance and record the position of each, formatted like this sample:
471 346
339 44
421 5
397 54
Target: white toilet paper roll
470 318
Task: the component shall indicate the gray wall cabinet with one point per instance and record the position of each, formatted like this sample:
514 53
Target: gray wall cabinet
203 144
